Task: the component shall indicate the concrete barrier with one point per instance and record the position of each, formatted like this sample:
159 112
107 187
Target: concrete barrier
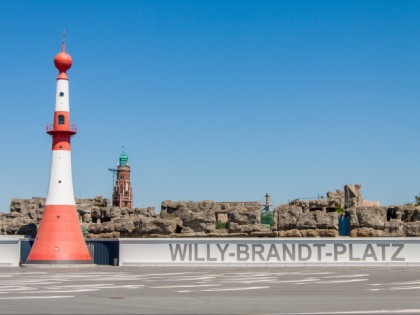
10 250
270 251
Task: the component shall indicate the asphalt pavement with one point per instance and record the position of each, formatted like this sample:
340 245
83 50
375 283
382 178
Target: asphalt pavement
200 290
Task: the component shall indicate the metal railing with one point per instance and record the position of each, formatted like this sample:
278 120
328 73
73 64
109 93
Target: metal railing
50 127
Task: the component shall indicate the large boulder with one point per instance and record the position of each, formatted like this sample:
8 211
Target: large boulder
288 216
354 219
299 203
412 229
409 213
32 208
366 232
307 221
156 226
147 212
394 228
290 233
353 196
326 221
336 199
372 217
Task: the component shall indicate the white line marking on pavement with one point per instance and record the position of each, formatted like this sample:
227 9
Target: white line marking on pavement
347 276
298 280
186 286
82 286
36 297
397 283
192 278
29 281
249 278
25 289
162 275
126 286
235 289
250 281
405 283
307 273
63 291
396 288
404 288
341 281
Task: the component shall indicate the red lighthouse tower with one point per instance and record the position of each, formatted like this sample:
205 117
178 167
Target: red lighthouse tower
60 239
123 193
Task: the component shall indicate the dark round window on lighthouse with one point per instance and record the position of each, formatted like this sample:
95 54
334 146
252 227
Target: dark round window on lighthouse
61 119
61 94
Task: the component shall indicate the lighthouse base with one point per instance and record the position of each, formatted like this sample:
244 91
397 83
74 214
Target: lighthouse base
59 240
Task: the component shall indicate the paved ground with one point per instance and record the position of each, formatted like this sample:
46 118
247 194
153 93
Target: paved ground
181 290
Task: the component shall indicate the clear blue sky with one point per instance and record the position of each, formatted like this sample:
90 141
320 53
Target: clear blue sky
222 100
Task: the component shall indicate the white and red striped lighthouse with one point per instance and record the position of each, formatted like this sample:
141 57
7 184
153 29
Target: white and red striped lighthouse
59 239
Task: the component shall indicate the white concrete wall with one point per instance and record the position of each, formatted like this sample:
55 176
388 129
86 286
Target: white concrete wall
9 250
270 251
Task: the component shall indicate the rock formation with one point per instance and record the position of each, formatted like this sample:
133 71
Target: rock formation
295 221
177 219
352 196
299 218
309 218
209 218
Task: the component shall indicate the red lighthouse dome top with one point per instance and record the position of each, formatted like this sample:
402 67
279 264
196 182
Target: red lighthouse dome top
63 61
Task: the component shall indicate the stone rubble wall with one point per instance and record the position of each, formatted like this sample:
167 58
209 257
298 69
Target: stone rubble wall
98 219
299 218
392 221
199 218
295 221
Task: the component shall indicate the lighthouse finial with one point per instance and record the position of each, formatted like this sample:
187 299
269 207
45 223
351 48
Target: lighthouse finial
62 60
63 43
